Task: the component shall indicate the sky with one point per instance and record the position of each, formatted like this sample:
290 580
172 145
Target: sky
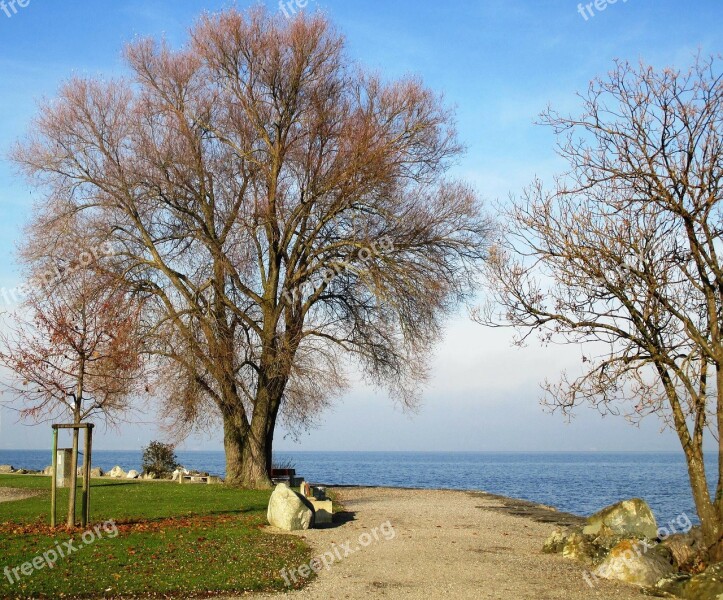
498 63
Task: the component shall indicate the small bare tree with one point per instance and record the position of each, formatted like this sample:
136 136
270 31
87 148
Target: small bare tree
74 353
277 206
622 257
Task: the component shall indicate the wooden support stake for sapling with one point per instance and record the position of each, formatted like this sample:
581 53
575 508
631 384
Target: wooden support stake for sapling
54 477
86 481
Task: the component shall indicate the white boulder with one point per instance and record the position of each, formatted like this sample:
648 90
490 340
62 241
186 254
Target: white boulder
132 474
117 472
178 472
288 510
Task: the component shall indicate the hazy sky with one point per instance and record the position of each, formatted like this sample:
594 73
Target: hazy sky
499 62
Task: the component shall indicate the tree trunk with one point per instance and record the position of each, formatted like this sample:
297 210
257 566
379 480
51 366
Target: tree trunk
707 513
717 549
235 431
245 453
254 472
271 426
249 447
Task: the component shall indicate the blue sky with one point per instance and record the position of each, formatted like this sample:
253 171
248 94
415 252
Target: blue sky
499 62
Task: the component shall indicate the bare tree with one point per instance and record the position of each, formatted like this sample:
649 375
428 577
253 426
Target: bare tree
622 257
74 354
279 207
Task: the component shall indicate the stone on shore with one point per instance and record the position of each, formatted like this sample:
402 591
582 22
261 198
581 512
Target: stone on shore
117 473
579 547
556 542
132 474
288 510
687 549
4 469
633 561
630 518
96 472
707 585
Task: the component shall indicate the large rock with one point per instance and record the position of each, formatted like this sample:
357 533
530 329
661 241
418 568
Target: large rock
7 469
707 585
556 542
178 473
630 518
117 472
132 474
579 547
48 470
687 549
288 510
634 561
96 472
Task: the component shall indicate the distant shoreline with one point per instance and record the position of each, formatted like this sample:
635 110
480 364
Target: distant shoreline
431 452
579 483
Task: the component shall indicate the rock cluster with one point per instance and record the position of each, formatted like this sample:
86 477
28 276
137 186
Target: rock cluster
624 542
118 472
707 585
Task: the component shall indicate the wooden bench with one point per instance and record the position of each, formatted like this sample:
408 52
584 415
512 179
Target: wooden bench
283 476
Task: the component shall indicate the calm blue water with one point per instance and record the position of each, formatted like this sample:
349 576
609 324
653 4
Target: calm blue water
580 483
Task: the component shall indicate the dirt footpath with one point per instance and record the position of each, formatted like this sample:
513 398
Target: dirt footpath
444 544
9 494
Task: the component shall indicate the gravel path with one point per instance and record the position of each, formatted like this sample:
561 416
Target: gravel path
446 545
8 494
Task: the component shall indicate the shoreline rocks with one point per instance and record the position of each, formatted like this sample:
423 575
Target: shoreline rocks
628 518
117 473
623 542
631 561
707 585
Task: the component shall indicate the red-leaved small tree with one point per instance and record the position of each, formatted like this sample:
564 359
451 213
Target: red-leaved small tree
74 353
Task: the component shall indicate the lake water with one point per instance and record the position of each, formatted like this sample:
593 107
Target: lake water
575 482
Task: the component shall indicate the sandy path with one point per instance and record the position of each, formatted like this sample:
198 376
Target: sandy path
446 544
9 494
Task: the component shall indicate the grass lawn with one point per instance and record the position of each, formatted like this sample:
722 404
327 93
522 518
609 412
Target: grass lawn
166 540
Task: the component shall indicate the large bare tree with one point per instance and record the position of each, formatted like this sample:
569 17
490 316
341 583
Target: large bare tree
621 256
277 207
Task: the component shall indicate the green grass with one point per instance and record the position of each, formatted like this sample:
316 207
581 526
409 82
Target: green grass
172 540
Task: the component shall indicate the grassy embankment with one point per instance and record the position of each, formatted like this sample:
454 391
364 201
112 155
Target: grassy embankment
171 540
